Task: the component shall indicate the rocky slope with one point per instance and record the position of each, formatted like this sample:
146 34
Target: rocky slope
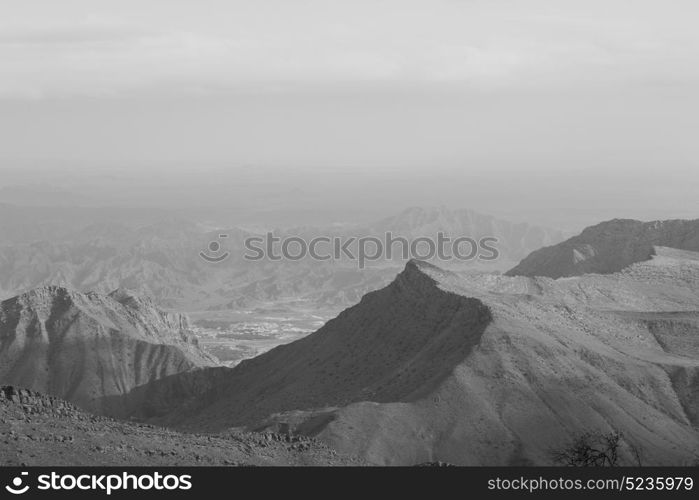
85 347
609 247
475 369
37 430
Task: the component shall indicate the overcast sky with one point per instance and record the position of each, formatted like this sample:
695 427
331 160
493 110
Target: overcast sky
460 85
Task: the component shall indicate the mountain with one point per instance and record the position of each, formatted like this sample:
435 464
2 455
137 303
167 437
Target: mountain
42 196
341 282
29 224
38 430
609 247
515 240
84 347
160 260
474 369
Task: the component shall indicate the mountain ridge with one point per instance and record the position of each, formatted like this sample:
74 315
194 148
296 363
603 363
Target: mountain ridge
384 376
161 259
609 247
474 369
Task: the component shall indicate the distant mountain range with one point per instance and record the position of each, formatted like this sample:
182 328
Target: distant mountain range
89 347
161 259
515 240
31 224
609 247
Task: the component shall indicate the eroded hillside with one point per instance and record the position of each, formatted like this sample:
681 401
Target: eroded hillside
484 369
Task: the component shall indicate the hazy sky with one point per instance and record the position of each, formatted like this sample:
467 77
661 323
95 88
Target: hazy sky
401 85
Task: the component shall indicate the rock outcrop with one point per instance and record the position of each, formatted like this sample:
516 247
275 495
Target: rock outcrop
41 430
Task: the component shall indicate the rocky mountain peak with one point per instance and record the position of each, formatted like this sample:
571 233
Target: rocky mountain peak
87 347
609 247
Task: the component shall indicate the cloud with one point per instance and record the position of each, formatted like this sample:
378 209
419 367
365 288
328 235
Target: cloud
81 34
105 57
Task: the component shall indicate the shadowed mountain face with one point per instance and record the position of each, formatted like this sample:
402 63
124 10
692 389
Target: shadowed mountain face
609 247
474 369
397 344
83 347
